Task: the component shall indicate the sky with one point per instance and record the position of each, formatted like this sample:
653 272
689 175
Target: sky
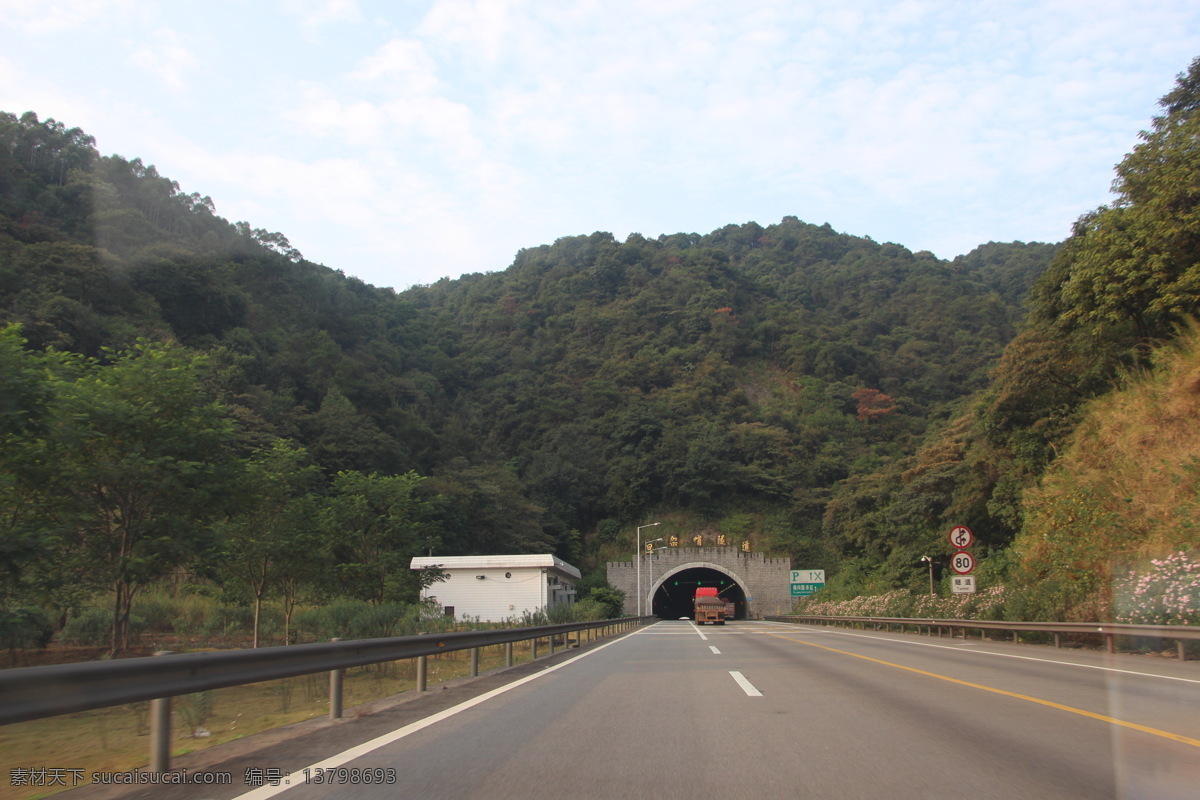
405 141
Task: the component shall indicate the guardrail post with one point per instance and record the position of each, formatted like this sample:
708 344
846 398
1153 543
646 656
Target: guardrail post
508 654
1181 646
1110 642
1058 640
552 644
160 730
534 656
422 669
474 662
336 679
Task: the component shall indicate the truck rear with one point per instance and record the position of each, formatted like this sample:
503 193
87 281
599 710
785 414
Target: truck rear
708 606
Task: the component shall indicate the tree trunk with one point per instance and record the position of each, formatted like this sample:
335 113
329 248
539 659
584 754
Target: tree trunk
257 608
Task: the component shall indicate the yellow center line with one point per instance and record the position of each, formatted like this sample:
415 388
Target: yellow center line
1049 703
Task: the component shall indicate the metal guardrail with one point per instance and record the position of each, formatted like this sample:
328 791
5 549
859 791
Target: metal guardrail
1109 630
28 693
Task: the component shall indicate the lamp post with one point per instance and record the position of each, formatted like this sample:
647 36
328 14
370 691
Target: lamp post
650 599
639 563
930 561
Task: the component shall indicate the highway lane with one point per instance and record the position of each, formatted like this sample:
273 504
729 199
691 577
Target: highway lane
817 713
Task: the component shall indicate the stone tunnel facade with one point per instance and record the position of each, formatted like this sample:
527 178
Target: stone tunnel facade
765 581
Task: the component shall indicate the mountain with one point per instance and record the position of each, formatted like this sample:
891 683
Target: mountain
828 397
1071 465
593 381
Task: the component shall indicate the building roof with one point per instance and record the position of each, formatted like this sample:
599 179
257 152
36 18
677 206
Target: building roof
495 562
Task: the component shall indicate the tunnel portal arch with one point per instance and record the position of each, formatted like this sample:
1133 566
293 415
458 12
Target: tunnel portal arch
672 594
760 584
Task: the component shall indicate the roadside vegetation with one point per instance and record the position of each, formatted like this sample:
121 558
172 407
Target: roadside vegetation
115 739
193 410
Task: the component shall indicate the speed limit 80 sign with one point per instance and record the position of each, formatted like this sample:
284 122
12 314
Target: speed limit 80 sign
962 563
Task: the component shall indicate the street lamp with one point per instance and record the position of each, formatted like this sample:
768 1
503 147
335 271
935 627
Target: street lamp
930 560
639 563
650 599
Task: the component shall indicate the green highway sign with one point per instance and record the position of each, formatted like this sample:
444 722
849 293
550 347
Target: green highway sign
808 576
806 581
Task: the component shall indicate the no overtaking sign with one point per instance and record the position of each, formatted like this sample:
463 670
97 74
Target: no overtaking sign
961 537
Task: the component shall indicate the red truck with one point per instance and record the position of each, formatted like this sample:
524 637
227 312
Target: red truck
708 606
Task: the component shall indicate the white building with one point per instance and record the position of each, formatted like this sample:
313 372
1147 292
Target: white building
494 588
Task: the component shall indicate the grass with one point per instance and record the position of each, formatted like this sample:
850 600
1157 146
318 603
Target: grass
1125 491
117 739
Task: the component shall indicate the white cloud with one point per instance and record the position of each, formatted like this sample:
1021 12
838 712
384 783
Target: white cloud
476 29
582 116
403 63
43 17
394 101
315 14
322 113
457 131
164 57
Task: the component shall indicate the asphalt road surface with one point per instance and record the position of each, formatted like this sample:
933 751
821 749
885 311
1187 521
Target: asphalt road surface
759 709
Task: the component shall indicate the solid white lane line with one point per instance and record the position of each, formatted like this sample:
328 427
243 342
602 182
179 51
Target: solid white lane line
746 685
716 652
297 778
957 645
690 632
696 628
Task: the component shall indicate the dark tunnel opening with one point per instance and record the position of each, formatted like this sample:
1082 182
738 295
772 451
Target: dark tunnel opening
673 599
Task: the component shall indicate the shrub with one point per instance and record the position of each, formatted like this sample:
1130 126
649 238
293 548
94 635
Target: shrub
196 709
589 610
93 628
1167 592
24 629
158 612
612 600
228 620
355 619
988 604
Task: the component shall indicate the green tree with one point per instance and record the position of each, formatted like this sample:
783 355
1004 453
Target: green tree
1130 272
376 524
274 538
482 510
26 521
143 464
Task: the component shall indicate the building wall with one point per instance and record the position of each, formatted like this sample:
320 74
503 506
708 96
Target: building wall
495 597
499 587
766 581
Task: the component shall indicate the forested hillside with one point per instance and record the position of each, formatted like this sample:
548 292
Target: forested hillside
1119 495
195 398
732 378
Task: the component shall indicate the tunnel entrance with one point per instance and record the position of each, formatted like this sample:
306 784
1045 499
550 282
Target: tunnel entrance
673 598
